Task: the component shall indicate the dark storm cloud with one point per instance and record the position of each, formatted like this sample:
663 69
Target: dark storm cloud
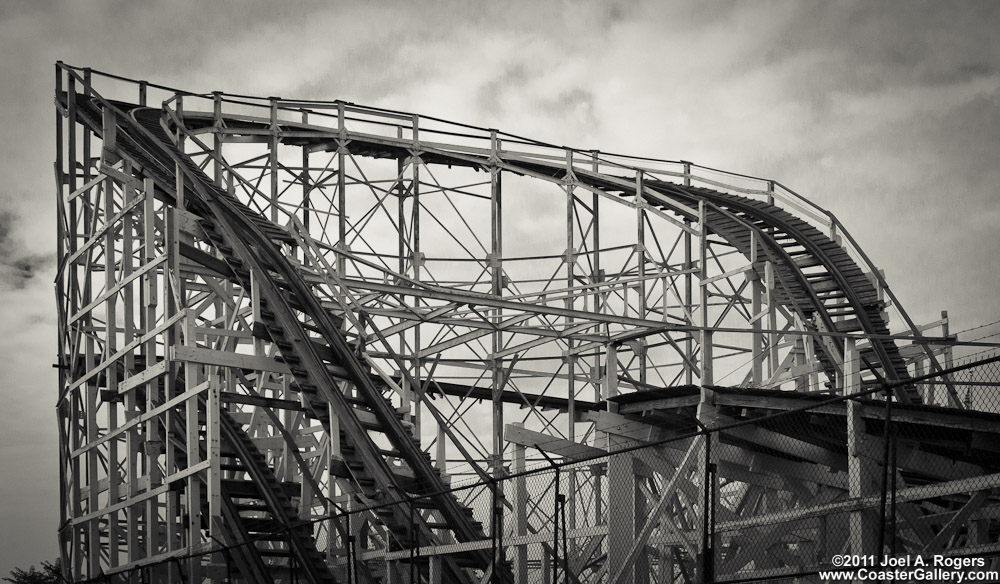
19 272
616 13
18 265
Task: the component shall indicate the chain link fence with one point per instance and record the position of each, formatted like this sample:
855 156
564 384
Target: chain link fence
733 486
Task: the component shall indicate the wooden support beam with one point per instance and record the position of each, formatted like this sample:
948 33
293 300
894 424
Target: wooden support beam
627 505
862 468
627 565
940 417
557 446
756 467
971 506
227 359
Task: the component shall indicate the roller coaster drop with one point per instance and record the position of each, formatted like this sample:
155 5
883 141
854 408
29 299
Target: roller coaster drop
273 310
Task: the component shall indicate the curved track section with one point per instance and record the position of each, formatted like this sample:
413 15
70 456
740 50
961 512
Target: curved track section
816 278
820 279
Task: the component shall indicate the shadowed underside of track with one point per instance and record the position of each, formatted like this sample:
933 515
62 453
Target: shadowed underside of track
326 371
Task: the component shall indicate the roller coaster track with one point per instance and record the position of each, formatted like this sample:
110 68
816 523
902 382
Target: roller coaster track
246 335
259 519
265 487
260 494
319 364
818 279
834 285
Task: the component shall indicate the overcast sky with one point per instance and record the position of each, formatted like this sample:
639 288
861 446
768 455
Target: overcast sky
886 113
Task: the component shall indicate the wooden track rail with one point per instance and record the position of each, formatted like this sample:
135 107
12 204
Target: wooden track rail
247 241
282 287
818 277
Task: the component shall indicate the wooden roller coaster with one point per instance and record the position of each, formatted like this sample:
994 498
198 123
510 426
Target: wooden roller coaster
291 330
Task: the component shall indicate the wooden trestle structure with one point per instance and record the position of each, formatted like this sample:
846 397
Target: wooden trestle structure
273 311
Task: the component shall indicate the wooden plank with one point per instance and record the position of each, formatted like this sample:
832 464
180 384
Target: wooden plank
217 265
119 430
128 502
667 403
558 446
148 374
618 425
455 548
152 263
108 225
991 481
86 187
264 402
725 275
972 505
945 417
127 348
227 359
786 444
114 173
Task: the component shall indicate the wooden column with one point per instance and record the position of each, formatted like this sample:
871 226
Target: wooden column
707 411
496 342
756 305
569 359
272 159
341 189
862 467
520 513
640 254
688 288
627 508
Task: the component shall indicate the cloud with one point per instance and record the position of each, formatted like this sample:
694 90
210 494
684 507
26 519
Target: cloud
18 265
512 77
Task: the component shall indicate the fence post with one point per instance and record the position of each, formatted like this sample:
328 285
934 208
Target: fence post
413 541
555 522
887 468
555 532
351 557
627 507
291 557
500 556
520 555
709 538
892 491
